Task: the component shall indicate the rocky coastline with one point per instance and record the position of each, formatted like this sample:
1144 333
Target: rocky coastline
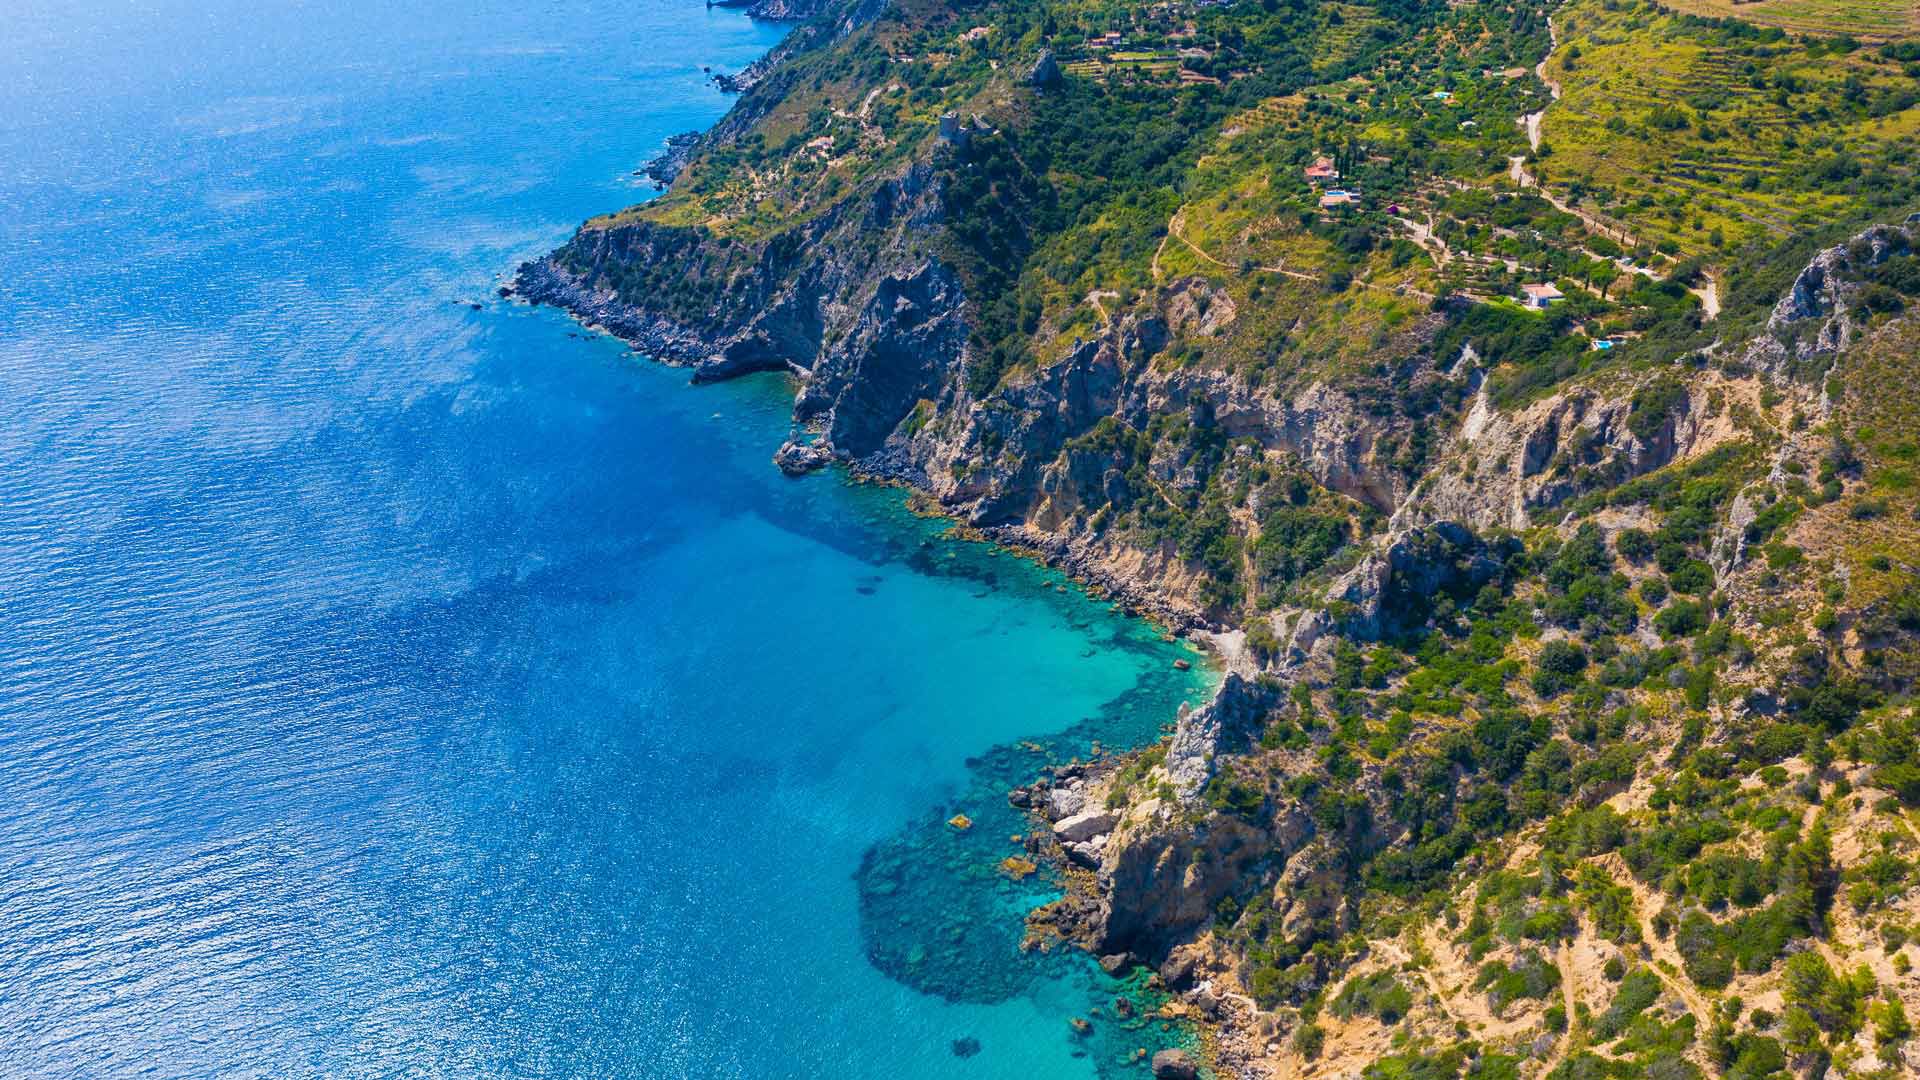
1092 844
1130 898
667 164
721 353
773 10
664 340
865 305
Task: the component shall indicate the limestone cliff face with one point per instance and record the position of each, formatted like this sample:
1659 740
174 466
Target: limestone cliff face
578 279
850 302
1161 882
1815 319
904 345
1325 429
877 329
1513 465
1500 469
1011 460
1228 724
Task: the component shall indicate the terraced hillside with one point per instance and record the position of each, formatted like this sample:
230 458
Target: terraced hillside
1868 20
1703 137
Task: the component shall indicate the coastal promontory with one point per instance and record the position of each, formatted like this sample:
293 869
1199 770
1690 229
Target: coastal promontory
1520 399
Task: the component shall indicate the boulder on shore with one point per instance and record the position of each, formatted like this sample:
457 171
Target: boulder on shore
1066 800
797 458
1086 854
1085 826
1174 1065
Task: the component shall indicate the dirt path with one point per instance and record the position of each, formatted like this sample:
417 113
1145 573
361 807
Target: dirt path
1424 236
1531 121
1094 298
1517 166
1234 995
1517 171
1393 951
1662 949
1173 230
1568 999
1709 294
1461 1003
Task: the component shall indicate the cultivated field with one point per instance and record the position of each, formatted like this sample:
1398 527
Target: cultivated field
1875 20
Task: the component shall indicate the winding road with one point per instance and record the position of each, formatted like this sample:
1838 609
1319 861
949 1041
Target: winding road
1531 121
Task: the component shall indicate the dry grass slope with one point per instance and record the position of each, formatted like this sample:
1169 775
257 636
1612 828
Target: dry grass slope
1868 20
1701 142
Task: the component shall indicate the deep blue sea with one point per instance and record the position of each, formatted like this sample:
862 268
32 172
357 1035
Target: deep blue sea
396 687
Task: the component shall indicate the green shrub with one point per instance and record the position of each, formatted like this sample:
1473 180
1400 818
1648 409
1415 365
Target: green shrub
1310 1040
1634 545
1681 619
1692 577
1530 976
1379 995
1637 992
1558 668
1652 405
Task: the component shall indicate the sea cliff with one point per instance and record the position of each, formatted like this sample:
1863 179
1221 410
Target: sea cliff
1488 565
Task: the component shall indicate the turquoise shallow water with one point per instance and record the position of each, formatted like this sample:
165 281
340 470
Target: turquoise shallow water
390 687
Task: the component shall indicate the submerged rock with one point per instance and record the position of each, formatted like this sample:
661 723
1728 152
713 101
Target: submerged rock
966 1047
1017 868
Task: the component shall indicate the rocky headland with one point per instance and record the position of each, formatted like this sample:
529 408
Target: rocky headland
1471 582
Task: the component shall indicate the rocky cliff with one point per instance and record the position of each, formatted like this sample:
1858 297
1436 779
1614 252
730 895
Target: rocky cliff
775 10
1477 574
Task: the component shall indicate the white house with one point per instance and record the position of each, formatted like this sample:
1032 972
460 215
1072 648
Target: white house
1540 297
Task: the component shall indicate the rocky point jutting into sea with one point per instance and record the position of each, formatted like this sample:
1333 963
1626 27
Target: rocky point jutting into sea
1469 561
